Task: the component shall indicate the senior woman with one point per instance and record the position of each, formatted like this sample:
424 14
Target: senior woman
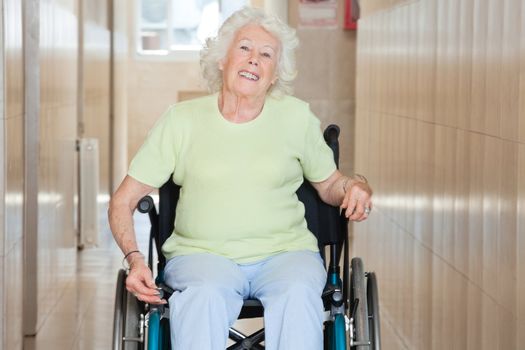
239 154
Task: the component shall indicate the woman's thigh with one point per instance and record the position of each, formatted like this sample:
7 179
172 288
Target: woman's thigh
204 270
289 270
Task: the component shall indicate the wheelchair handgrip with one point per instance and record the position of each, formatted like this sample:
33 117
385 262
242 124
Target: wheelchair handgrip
145 204
331 137
331 133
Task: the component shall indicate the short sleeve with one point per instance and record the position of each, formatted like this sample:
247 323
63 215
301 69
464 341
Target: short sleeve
155 160
318 159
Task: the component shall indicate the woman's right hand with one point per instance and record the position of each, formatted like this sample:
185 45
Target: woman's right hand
141 284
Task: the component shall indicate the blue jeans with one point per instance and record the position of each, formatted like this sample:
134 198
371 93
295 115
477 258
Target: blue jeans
210 290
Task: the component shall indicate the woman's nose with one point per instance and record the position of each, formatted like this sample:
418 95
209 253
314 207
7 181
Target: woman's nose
253 61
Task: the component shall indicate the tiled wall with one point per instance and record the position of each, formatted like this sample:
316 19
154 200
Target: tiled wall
57 156
120 91
440 127
12 152
95 82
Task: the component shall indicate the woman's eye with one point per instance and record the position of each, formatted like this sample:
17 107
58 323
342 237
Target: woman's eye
267 55
244 48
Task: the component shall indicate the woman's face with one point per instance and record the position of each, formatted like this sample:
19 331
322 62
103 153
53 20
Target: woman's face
249 68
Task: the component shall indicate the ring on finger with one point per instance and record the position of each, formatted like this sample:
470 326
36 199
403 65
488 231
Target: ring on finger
367 210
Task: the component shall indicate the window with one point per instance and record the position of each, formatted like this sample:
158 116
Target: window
170 26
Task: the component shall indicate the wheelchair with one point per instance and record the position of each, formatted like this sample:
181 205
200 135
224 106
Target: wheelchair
350 300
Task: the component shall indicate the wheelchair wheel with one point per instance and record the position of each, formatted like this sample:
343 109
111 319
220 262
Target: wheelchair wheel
128 319
358 296
373 311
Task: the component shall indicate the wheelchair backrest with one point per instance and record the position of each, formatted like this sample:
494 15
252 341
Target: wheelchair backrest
323 220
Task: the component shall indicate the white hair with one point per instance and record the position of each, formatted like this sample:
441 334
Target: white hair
216 49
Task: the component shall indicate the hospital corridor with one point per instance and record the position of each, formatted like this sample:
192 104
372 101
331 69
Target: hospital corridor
426 160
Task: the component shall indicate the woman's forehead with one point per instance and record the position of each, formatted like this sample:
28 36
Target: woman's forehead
254 32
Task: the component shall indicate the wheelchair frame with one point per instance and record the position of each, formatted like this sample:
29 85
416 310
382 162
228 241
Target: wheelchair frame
351 302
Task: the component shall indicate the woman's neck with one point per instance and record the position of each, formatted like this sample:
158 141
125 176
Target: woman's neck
240 109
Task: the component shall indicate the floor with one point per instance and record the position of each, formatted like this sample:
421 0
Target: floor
83 318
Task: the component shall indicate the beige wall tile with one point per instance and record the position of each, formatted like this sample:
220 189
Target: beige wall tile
493 67
475 227
13 202
457 303
461 202
13 296
94 84
13 58
521 128
507 237
465 63
490 213
12 174
520 248
426 60
479 68
510 64
445 169
120 91
57 154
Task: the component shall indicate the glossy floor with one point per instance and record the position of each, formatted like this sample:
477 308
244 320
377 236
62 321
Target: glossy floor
83 315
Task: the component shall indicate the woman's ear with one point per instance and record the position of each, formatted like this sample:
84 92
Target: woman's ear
221 64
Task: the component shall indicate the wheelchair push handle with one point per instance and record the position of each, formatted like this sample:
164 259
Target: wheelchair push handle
331 137
145 204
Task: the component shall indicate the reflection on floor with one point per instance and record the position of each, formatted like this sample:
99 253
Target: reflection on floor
83 318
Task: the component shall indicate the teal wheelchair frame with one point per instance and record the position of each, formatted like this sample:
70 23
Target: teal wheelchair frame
350 300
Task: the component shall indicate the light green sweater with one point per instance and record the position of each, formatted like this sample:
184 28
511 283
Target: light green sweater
238 180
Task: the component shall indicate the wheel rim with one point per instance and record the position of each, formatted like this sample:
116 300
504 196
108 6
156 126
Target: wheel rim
373 311
118 313
358 291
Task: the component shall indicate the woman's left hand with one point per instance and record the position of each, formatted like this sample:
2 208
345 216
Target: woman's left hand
357 200
352 194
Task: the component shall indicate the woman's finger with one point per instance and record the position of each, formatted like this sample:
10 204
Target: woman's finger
351 208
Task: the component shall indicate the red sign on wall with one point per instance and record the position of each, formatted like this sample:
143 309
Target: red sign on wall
351 14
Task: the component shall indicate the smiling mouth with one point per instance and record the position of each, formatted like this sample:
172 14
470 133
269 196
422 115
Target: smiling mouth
248 75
